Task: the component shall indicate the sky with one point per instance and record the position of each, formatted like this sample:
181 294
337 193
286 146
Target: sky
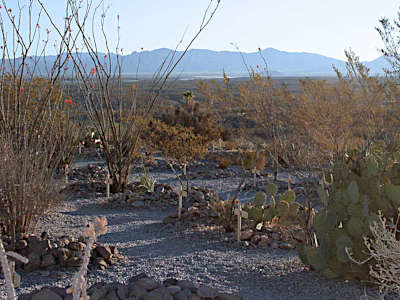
326 27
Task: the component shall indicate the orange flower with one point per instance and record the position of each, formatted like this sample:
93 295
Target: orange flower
21 90
133 86
92 71
68 101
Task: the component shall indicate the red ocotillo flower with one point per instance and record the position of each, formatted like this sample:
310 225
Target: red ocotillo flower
92 71
68 101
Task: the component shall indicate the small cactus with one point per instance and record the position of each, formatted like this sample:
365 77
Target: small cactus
259 199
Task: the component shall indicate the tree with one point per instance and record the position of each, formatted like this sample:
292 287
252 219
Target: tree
390 34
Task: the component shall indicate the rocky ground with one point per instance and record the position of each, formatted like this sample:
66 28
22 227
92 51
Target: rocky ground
171 251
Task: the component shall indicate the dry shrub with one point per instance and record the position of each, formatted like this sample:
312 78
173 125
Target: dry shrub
199 116
175 142
36 133
384 248
312 128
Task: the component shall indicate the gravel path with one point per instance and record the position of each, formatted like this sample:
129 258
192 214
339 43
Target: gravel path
167 251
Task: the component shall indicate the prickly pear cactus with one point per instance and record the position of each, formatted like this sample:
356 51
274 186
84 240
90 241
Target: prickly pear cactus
360 188
259 199
285 210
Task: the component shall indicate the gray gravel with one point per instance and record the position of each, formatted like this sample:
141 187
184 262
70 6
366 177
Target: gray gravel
168 251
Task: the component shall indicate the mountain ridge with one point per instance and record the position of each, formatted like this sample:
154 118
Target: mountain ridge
279 62
206 61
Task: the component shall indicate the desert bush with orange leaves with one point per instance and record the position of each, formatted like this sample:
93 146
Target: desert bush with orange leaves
311 129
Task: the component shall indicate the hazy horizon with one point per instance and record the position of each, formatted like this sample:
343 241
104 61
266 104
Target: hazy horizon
323 27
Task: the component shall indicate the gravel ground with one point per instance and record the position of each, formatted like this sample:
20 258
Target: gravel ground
166 251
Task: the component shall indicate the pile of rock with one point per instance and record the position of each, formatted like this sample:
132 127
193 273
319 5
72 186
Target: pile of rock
45 253
91 173
267 235
163 196
138 197
138 287
272 236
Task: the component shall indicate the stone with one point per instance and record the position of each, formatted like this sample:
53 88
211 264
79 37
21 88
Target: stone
73 262
64 240
287 246
47 260
160 293
34 262
274 245
147 283
33 239
77 246
38 246
114 250
300 236
46 294
99 293
112 295
276 236
170 281
255 239
264 241
246 234
21 244
186 284
62 255
136 291
104 252
122 291
207 292
20 236
194 297
44 235
59 291
100 263
198 196
225 296
174 289
182 295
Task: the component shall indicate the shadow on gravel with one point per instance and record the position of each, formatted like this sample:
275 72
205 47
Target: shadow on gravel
303 284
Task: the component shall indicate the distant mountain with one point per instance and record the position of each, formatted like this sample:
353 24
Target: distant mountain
199 61
278 62
377 65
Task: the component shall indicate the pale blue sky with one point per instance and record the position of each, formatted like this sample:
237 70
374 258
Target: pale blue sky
321 26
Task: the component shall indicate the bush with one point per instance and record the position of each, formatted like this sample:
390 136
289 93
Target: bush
37 136
384 249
